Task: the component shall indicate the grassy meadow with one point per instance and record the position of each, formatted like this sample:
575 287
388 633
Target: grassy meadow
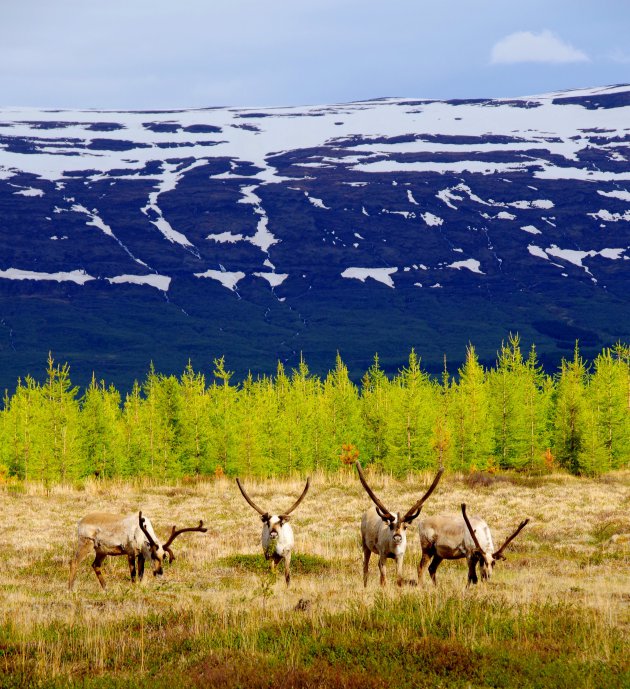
555 614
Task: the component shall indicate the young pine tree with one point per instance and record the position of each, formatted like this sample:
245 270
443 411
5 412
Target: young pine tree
376 415
570 415
413 416
472 427
101 433
60 425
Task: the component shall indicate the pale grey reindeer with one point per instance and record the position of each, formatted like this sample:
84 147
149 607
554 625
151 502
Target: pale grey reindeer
277 535
384 533
451 537
131 535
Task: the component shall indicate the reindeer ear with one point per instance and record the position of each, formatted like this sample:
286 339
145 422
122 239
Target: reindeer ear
265 518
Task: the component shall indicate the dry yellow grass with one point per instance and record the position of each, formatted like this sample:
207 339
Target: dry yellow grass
575 553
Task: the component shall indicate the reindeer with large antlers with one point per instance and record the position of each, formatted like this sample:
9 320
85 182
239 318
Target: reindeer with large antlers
384 533
450 537
131 535
277 534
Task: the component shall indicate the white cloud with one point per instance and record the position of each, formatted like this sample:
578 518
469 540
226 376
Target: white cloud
525 46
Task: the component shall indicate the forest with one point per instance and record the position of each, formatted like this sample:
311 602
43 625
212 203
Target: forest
510 416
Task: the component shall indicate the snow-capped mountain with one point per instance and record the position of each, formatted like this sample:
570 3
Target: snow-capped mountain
363 227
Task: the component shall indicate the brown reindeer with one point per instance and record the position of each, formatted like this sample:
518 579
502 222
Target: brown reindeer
451 537
131 535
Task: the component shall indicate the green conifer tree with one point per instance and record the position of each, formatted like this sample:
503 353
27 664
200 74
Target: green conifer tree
413 412
101 434
570 414
376 418
472 431
340 412
61 425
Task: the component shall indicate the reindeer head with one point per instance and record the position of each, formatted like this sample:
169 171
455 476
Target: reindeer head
267 518
397 524
487 557
273 523
156 551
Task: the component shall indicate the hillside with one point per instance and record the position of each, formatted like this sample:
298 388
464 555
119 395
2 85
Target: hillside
365 227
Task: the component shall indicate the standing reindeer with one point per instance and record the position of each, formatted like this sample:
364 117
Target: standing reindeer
384 533
277 534
450 537
131 535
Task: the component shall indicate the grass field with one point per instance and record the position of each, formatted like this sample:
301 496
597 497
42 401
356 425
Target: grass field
555 614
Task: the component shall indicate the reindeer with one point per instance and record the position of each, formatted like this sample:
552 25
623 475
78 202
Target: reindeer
384 533
450 537
131 535
277 534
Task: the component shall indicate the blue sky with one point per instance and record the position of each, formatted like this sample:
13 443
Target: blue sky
200 53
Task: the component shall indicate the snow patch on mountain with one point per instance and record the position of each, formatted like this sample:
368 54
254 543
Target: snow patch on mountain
318 203
229 280
225 238
80 277
274 279
576 257
263 238
620 194
432 220
607 216
30 191
470 264
95 220
161 282
379 274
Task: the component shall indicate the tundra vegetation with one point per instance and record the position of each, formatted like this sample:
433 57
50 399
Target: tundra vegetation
555 614
510 416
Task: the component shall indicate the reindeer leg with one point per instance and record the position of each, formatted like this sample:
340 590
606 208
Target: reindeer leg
382 560
367 553
287 567
472 570
140 566
131 559
435 563
83 550
424 561
399 570
96 566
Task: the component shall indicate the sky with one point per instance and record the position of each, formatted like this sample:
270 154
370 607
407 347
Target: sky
156 54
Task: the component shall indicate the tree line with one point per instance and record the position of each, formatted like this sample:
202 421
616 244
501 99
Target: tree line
510 416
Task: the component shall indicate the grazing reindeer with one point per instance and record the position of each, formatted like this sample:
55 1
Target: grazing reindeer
277 534
131 535
452 537
383 532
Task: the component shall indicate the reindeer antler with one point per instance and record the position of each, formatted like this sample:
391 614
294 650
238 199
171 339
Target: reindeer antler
251 503
382 511
414 511
298 501
499 553
152 543
472 531
177 532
